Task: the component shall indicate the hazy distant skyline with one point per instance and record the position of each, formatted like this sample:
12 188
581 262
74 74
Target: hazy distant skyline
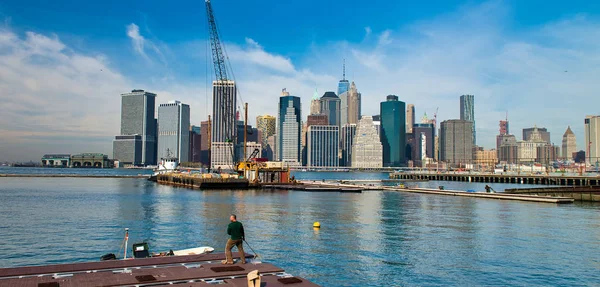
64 66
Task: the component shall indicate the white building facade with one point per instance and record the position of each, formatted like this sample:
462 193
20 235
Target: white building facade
367 151
173 130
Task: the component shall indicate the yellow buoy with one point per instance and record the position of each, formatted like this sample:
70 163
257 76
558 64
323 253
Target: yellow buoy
317 224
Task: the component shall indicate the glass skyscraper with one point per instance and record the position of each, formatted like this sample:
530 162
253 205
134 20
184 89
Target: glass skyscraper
173 130
330 106
322 146
467 111
393 131
289 129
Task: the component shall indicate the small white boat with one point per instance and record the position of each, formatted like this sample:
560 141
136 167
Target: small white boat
194 251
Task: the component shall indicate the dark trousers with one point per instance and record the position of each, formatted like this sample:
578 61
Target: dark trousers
239 244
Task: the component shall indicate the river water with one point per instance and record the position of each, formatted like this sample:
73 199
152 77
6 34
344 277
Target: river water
377 238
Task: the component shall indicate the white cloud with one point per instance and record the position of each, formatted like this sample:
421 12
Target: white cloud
54 98
254 54
137 40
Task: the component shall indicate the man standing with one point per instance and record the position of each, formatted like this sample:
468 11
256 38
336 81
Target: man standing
236 231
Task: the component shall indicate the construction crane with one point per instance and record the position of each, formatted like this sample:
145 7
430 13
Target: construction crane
226 120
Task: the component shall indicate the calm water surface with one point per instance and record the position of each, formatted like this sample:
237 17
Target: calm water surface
369 239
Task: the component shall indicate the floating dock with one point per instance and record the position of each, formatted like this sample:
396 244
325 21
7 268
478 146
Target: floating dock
540 179
578 193
189 270
196 181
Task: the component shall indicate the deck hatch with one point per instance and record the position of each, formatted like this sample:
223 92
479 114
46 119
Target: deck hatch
48 284
227 269
289 280
145 278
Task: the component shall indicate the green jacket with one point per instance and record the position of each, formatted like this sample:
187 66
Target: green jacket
236 230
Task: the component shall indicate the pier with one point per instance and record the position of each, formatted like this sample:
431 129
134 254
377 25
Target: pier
579 193
187 270
564 180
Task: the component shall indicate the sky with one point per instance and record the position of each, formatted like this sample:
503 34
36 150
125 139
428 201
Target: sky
64 64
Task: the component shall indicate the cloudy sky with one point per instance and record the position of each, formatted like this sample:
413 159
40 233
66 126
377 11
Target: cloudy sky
64 64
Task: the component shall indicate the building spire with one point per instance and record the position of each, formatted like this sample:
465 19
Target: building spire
344 71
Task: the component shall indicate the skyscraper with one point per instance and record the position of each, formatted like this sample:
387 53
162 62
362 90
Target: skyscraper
315 104
344 108
410 118
173 130
137 143
347 141
223 125
367 151
354 105
569 144
543 133
289 129
429 133
393 131
205 143
266 125
456 142
467 112
330 106
343 85
322 146
592 139
195 147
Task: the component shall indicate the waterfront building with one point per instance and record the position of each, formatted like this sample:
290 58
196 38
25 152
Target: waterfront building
195 148
315 104
410 118
547 154
545 135
266 124
322 146
56 160
467 112
205 143
569 144
347 141
592 139
91 160
354 105
367 151
223 125
289 129
136 145
173 130
393 131
456 143
221 155
486 158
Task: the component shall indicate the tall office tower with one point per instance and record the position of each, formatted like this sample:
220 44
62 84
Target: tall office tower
173 130
343 85
195 148
347 140
503 131
315 104
344 108
393 131
592 139
456 142
509 149
267 126
429 132
322 146
137 143
423 146
205 143
289 129
410 118
527 133
354 105
330 106
367 151
223 125
569 144
467 112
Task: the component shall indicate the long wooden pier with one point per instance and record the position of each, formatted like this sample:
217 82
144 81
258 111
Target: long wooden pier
540 179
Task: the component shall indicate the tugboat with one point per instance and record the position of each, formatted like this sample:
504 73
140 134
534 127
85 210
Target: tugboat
167 164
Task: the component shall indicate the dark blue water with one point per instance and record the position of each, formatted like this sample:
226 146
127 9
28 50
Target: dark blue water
369 239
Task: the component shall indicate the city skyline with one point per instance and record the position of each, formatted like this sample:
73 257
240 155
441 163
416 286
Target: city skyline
64 110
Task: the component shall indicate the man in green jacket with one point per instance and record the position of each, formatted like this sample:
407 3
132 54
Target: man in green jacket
236 231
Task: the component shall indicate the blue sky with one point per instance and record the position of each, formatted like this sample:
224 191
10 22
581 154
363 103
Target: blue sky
63 64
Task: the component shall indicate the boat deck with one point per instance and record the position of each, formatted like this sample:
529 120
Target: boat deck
189 270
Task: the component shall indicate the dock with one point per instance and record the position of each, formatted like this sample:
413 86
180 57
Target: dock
189 270
197 182
578 193
540 179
